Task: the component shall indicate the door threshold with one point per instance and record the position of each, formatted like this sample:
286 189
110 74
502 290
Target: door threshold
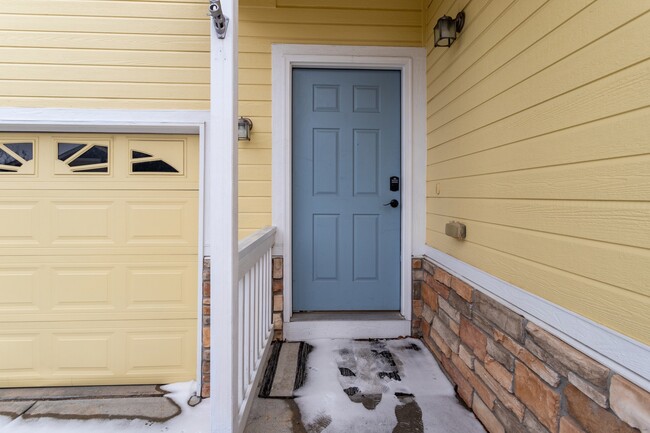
346 315
354 324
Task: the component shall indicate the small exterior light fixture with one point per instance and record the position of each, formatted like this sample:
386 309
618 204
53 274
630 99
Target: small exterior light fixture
244 126
444 33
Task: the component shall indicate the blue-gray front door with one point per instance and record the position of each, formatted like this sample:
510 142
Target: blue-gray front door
346 147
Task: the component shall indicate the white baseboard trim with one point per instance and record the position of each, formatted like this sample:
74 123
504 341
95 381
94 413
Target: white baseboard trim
625 356
319 329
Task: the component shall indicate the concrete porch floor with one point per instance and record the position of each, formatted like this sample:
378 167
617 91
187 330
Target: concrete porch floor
376 386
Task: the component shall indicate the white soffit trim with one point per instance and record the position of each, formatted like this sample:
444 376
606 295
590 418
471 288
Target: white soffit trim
412 63
627 357
102 121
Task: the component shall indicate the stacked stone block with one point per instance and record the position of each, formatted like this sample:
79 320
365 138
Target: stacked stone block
205 331
513 374
278 297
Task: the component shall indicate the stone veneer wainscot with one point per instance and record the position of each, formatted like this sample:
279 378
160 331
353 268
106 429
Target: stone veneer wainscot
513 374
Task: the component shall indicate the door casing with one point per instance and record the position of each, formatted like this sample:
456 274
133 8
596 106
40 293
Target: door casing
411 63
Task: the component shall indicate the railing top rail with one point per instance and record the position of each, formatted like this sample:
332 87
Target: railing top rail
253 247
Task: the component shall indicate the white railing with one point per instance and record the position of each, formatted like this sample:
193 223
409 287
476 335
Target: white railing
254 318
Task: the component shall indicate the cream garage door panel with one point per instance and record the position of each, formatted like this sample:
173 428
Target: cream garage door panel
104 352
98 259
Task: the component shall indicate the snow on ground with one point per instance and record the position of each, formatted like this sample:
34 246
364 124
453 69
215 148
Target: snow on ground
323 403
191 420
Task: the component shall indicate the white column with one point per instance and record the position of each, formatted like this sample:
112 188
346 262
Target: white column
221 169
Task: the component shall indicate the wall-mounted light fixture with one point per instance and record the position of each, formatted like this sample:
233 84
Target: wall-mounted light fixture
444 33
244 126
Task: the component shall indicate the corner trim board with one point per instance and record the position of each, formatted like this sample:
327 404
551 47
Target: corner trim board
629 358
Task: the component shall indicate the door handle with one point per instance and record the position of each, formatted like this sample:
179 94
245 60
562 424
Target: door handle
393 203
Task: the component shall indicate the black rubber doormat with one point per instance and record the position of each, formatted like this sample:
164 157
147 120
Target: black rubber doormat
286 370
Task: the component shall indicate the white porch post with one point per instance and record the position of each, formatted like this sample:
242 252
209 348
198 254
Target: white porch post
221 169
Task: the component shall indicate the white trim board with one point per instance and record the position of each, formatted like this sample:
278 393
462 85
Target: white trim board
125 122
102 121
625 356
412 63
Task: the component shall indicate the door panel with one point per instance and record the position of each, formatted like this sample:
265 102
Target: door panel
346 146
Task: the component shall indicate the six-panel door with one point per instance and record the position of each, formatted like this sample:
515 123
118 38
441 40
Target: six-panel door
346 147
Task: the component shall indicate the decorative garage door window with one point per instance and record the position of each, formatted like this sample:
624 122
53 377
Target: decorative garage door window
157 157
17 158
82 158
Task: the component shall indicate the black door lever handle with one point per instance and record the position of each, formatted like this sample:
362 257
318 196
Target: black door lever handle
393 203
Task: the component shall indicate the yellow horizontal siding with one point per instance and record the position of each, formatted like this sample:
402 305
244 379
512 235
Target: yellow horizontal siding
262 23
538 126
105 54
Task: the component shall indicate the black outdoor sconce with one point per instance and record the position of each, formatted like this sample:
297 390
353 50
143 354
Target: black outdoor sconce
444 33
244 126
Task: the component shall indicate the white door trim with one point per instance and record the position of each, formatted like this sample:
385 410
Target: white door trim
411 62
190 122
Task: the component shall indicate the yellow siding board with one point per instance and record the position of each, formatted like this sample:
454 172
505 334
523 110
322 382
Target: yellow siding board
389 5
99 90
106 8
249 44
100 24
105 74
618 179
248 156
509 63
623 311
116 104
509 34
484 18
104 41
624 91
625 223
365 17
255 76
256 204
254 92
252 220
593 141
254 188
359 34
538 141
56 56
553 80
255 60
254 172
587 258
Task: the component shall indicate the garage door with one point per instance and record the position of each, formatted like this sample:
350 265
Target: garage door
98 259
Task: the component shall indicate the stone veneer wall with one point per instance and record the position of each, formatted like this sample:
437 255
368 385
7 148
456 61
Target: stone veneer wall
514 375
278 297
205 336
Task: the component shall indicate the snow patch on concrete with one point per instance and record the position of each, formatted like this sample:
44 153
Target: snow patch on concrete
191 420
327 408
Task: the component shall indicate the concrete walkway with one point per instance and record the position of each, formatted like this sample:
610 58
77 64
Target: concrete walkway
102 409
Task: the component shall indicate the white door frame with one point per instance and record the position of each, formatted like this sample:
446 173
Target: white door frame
411 62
